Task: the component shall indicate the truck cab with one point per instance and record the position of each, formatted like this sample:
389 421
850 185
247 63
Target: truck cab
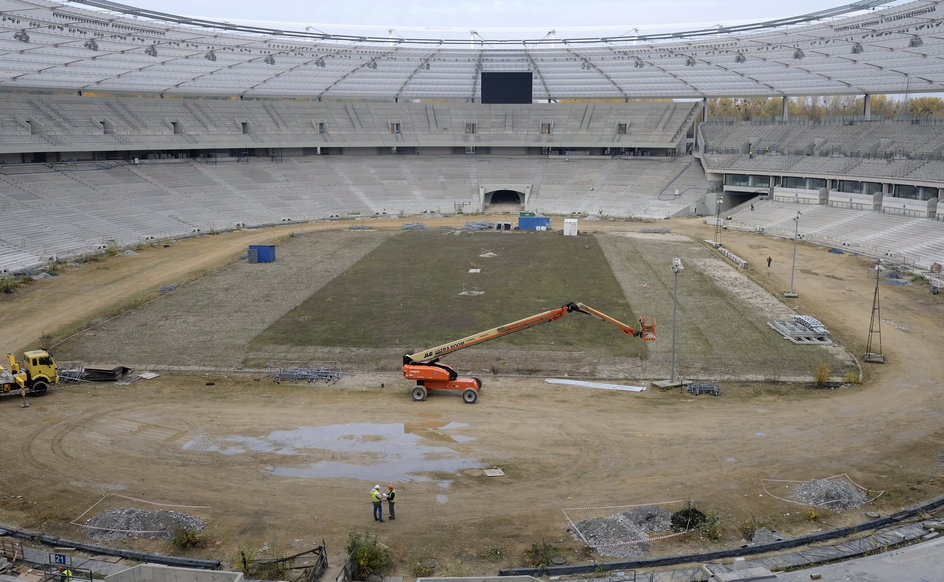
38 373
40 365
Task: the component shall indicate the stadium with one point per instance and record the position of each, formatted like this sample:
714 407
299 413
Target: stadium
144 154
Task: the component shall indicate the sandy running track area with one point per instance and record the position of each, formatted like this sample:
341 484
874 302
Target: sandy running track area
207 439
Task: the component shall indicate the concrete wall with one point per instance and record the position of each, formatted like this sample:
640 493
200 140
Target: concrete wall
481 579
155 573
909 207
802 196
855 201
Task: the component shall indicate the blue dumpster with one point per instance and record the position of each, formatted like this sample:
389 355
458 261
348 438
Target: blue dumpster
261 253
534 223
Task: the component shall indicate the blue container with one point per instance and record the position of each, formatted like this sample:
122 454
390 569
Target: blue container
263 253
533 222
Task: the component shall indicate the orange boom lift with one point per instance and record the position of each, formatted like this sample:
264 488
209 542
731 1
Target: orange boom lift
431 374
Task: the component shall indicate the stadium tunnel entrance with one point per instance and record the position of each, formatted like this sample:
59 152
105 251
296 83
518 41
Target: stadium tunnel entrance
504 201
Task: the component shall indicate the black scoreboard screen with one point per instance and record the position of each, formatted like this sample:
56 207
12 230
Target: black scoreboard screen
506 87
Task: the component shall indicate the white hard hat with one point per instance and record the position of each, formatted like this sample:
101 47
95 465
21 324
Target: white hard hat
376 486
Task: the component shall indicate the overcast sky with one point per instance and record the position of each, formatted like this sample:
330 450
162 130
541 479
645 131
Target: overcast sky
536 18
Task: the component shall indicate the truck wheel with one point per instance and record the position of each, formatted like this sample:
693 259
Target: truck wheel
419 394
470 395
38 388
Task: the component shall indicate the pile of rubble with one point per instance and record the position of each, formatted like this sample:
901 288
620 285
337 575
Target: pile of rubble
833 494
763 535
625 534
117 524
479 225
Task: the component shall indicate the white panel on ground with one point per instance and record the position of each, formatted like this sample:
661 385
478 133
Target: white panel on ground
594 385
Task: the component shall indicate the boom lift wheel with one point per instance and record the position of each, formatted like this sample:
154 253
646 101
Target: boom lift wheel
470 395
39 388
419 394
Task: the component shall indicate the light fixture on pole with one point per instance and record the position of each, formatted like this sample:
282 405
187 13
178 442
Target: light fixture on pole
796 235
676 268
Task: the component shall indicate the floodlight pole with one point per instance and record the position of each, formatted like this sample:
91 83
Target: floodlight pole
875 325
676 267
796 236
718 221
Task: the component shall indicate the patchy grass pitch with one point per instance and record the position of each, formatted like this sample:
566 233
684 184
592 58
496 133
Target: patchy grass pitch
407 293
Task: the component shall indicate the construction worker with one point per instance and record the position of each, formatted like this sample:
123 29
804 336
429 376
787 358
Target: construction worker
376 497
392 501
65 574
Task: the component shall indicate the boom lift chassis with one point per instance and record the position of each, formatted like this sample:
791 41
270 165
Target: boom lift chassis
430 374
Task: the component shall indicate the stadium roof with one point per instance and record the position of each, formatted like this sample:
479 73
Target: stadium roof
110 47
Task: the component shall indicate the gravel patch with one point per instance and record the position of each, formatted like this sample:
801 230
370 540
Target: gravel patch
480 225
739 286
830 493
624 534
117 524
764 535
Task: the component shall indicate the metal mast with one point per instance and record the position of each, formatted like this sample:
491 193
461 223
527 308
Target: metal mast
875 325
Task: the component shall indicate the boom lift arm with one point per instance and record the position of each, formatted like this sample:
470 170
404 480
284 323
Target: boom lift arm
424 366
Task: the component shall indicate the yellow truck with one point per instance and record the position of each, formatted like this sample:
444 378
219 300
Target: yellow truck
38 373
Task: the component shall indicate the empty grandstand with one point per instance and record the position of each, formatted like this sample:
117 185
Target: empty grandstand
119 124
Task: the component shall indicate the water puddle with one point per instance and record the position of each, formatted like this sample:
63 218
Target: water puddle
375 452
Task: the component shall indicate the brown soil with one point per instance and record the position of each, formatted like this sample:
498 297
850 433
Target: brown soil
560 447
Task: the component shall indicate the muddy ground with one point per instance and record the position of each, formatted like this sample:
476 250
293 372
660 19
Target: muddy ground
244 454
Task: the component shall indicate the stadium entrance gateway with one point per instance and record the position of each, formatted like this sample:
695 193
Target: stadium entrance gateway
504 197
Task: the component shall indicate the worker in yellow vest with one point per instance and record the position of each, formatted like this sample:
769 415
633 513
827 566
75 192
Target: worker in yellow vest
65 574
376 497
392 501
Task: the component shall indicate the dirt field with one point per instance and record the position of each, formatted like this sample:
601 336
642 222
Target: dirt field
262 459
353 299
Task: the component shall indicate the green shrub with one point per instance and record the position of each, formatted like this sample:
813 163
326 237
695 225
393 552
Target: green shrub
9 285
92 258
423 569
540 555
712 528
187 539
370 556
688 519
821 374
243 561
749 526
273 569
493 554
